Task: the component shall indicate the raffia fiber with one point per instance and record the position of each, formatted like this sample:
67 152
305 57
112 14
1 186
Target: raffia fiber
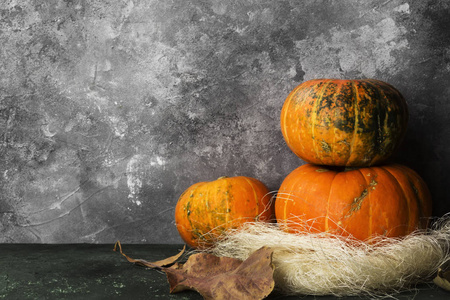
322 264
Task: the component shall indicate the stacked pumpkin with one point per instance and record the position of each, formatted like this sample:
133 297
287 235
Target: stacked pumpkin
346 130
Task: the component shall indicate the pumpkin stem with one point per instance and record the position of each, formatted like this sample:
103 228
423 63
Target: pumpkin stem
222 177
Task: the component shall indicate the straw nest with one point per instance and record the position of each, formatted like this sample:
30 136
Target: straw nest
311 263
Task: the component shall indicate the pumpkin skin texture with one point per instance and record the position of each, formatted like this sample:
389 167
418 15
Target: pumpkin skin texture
344 122
207 209
390 200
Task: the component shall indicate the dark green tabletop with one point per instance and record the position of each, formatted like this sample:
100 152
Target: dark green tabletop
85 271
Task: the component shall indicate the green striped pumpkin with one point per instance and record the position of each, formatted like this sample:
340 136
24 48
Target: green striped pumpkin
344 122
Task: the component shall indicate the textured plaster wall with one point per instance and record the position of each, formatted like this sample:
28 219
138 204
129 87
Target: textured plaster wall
110 109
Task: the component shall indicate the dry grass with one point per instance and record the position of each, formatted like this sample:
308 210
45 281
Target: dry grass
322 264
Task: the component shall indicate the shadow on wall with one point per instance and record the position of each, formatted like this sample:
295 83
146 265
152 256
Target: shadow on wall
428 135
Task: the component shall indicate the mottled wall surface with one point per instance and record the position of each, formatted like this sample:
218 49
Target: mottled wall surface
110 109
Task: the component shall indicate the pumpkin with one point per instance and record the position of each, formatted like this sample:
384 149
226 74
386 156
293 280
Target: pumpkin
390 200
206 210
344 122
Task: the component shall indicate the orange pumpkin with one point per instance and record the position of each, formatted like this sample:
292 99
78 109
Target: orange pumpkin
344 122
390 200
207 209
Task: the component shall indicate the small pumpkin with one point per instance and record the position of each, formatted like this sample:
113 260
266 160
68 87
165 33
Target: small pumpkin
390 200
344 122
207 209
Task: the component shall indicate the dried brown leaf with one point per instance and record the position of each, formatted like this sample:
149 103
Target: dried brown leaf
160 264
217 277
223 277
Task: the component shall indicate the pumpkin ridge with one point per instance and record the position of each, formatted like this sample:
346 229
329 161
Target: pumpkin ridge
371 225
285 109
378 136
328 203
370 187
314 118
416 194
356 123
421 188
188 208
199 196
210 216
301 104
256 197
389 132
286 206
333 149
219 183
405 194
290 196
419 200
193 229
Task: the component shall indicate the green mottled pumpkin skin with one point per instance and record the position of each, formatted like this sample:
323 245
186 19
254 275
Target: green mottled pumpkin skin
337 122
206 210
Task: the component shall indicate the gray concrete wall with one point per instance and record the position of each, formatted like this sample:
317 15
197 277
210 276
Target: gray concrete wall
110 109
